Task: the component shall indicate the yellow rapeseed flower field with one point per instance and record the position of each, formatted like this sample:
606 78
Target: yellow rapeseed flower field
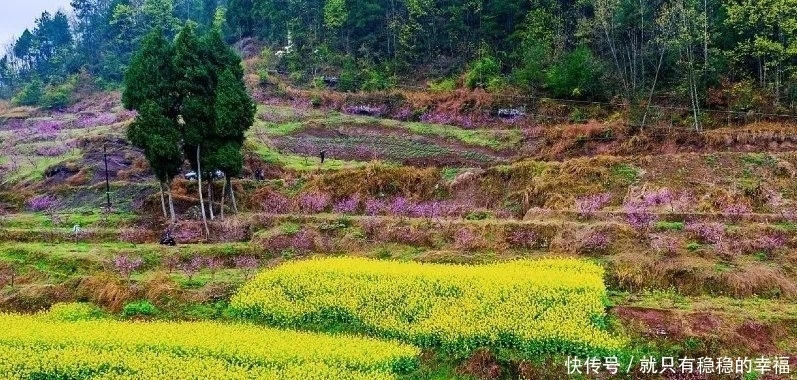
530 307
43 347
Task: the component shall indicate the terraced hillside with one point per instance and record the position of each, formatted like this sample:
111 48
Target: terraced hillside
690 237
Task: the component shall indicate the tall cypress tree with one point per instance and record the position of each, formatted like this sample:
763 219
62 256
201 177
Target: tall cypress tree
149 89
235 113
194 86
192 103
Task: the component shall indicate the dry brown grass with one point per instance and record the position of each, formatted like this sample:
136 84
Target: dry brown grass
161 290
9 112
82 177
107 291
376 180
762 280
758 134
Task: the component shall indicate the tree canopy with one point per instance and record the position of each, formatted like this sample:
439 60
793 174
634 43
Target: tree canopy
190 98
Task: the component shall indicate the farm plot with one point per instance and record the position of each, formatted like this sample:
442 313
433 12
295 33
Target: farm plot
526 307
401 149
44 347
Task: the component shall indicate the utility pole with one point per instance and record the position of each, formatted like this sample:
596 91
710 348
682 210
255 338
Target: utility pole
107 183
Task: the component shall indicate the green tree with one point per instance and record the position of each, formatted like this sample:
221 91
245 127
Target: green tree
575 75
194 88
149 89
235 113
158 136
765 40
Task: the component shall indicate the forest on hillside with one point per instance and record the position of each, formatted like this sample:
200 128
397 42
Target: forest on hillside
738 55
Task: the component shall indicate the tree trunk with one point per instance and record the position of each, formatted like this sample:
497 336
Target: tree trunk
232 197
171 202
652 88
201 199
163 201
223 193
210 198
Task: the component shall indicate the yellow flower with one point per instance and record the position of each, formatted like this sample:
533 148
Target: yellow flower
535 307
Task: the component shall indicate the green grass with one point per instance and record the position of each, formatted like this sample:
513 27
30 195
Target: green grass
34 171
759 159
302 163
67 220
626 173
669 226
755 308
488 138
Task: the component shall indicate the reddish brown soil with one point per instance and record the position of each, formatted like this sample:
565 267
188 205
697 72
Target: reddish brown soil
757 337
655 322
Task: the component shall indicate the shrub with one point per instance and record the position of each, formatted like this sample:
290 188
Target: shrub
347 206
769 243
171 262
48 127
126 265
275 203
374 207
214 264
709 233
304 240
400 206
443 85
588 205
575 75
522 238
140 308
478 215
350 79
74 311
403 235
376 80
637 215
51 151
30 95
594 241
247 264
312 203
42 203
466 239
735 211
482 72
57 96
431 209
192 267
664 244
88 121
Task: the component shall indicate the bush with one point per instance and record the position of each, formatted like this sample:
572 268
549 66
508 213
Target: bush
30 95
376 80
140 308
349 80
57 96
575 75
482 72
443 85
588 205
74 311
42 203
